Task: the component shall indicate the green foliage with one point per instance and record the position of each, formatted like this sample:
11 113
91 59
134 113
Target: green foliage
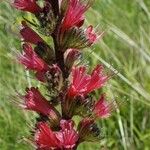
124 49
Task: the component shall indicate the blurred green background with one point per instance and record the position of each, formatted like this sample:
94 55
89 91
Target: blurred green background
125 48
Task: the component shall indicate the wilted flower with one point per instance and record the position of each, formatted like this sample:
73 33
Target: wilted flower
47 18
83 83
27 5
52 75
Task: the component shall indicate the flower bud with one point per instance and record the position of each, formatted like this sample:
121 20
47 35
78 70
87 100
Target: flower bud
71 56
73 38
88 131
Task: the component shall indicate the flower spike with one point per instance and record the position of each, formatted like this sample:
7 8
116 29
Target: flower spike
53 56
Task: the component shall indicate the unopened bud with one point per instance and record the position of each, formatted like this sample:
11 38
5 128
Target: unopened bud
88 130
74 38
71 55
54 118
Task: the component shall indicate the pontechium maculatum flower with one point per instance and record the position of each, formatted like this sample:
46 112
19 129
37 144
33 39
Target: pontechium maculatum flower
52 39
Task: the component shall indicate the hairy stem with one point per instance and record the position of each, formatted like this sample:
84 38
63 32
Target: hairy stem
59 55
55 6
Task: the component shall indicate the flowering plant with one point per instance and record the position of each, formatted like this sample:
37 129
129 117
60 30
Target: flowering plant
68 84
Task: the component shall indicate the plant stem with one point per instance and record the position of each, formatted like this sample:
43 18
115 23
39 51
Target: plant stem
55 6
59 55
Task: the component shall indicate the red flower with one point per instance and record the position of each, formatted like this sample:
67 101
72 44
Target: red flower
27 5
82 83
31 60
66 138
102 109
45 138
33 100
97 80
30 35
91 35
74 15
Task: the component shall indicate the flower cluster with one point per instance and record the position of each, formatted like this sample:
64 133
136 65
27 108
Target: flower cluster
69 85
